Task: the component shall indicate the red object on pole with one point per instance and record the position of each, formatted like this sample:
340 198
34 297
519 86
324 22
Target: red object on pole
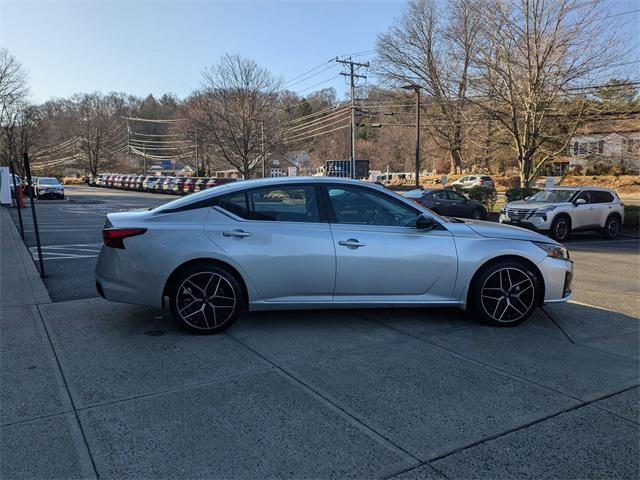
19 196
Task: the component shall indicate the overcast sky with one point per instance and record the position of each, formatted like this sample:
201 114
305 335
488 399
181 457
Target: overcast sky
143 47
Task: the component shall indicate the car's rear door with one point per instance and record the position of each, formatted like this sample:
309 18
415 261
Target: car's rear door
281 240
380 254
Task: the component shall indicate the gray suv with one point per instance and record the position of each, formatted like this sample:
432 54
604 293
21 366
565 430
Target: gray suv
563 210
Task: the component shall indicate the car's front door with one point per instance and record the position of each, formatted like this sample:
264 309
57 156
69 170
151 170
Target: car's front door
280 240
381 255
582 214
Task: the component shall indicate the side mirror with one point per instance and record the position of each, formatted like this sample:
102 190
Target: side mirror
581 201
425 222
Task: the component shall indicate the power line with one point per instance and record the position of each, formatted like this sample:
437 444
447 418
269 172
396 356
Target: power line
297 140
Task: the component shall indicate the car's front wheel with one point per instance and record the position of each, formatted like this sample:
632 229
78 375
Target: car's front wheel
561 228
505 294
206 299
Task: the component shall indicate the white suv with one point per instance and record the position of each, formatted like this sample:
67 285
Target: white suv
563 210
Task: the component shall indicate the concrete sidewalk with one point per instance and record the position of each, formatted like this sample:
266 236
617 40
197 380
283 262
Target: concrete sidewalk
96 389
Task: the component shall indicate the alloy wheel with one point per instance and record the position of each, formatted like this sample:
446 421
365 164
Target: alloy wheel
613 227
205 300
477 214
562 229
507 294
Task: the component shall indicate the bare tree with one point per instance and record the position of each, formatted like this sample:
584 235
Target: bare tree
433 48
13 92
534 54
235 109
100 129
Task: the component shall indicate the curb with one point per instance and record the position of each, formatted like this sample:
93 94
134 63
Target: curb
19 251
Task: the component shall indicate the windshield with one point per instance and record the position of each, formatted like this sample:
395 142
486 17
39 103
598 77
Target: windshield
552 196
48 181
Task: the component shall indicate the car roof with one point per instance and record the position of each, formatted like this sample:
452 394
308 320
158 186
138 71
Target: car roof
600 189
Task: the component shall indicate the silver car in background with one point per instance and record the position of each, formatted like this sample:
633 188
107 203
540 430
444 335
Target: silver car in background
318 242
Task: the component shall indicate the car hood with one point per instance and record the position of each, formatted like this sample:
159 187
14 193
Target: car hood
530 205
499 230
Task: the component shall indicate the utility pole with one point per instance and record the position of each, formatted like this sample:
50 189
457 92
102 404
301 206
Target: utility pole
416 88
196 140
129 144
144 161
264 165
352 82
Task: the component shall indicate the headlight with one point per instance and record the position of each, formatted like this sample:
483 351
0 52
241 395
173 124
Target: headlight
553 250
544 210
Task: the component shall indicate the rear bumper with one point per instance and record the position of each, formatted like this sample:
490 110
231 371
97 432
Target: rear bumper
120 278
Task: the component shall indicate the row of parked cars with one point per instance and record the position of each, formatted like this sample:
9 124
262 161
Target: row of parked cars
158 184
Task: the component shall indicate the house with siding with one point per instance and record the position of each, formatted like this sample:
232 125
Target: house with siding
613 142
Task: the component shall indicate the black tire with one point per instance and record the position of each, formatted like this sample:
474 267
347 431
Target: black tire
560 228
194 285
612 226
502 307
478 214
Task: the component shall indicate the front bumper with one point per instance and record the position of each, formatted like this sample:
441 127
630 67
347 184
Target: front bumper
54 194
534 222
558 275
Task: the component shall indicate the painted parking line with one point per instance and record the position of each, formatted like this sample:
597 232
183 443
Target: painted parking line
66 252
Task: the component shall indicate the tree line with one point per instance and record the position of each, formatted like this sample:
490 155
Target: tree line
504 83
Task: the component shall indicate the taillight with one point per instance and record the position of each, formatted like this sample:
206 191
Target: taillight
113 237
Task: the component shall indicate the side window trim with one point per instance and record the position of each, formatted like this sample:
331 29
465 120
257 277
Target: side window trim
322 213
331 215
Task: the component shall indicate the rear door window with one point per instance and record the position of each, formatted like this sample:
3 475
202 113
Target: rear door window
283 204
601 197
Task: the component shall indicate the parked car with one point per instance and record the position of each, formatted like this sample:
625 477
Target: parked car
110 180
470 181
319 242
48 187
214 182
188 185
177 184
167 185
152 182
448 202
563 210
201 184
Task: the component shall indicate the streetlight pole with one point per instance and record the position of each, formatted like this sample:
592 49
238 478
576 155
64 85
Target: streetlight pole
416 89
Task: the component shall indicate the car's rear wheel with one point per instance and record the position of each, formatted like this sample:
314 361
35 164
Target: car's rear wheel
612 227
505 294
561 228
477 214
206 299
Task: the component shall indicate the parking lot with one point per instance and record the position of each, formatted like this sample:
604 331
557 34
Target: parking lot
123 392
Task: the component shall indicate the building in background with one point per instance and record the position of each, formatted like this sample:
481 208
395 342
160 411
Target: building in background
613 143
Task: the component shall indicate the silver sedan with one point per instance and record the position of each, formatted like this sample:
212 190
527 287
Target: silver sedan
315 242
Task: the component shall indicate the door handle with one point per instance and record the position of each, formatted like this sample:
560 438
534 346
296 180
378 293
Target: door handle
351 243
236 233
